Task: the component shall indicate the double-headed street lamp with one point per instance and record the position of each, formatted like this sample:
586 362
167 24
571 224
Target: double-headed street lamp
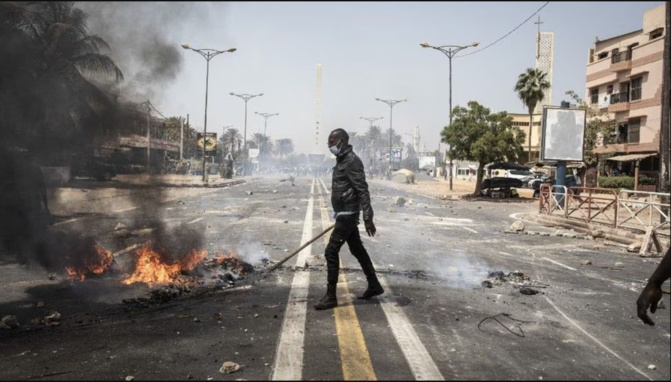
450 51
265 117
391 103
246 98
371 119
208 54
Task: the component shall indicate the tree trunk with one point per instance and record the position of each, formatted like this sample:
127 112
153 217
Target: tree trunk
531 124
478 179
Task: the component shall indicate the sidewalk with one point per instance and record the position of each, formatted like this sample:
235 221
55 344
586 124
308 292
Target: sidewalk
177 180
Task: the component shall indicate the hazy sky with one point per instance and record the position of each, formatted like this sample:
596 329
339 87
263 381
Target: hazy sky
368 50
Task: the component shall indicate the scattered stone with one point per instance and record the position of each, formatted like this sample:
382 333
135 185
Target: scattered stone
545 233
585 262
129 378
660 305
229 367
652 367
218 316
634 248
569 235
120 226
274 191
286 221
53 319
249 193
196 319
399 201
619 265
487 284
528 291
9 322
189 376
284 206
52 276
517 226
596 248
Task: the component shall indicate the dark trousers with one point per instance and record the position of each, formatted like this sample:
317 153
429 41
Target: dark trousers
346 230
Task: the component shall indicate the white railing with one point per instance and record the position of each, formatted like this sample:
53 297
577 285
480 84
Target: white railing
644 211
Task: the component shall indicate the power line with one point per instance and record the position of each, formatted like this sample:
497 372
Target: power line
507 34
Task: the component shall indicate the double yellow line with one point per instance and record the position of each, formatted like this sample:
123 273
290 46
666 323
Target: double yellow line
354 355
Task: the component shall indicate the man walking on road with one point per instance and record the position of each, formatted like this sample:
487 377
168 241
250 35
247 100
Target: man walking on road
349 195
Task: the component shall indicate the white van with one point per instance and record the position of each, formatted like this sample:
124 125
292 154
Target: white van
517 174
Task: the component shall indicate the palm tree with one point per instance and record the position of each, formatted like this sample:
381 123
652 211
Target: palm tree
531 87
374 139
284 147
264 144
62 55
230 140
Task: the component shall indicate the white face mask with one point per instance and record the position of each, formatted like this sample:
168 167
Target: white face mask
334 149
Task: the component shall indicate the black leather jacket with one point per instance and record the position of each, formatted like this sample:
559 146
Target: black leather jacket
349 190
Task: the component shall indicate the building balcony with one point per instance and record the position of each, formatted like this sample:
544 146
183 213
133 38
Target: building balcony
621 61
619 102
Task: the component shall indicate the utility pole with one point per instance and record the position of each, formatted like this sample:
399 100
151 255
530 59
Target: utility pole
181 139
148 138
664 138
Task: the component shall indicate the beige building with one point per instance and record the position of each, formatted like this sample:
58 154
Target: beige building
521 121
624 77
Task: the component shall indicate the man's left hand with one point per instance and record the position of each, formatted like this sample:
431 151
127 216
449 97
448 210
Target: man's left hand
370 227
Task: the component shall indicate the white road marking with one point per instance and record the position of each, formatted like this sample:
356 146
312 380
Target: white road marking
596 340
66 221
468 229
126 250
125 210
289 353
429 213
195 220
560 264
421 364
325 189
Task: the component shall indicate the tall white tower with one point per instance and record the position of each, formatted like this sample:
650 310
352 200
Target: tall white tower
544 58
319 136
415 139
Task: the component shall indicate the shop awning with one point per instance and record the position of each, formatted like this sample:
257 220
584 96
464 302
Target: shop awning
631 157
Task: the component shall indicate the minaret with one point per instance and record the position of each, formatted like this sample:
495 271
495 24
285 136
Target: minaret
544 58
319 136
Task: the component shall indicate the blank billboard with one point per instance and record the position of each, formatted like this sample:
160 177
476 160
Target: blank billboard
563 134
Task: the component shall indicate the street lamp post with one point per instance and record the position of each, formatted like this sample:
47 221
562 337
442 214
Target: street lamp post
208 54
370 122
450 51
246 98
265 117
391 103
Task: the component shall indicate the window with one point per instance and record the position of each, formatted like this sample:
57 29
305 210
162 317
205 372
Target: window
594 95
657 33
609 89
602 55
634 130
636 84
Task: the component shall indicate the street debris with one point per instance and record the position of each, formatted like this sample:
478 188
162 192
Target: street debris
528 291
129 378
619 265
399 201
218 316
122 231
652 367
249 193
585 262
634 248
52 319
660 305
9 322
52 276
516 278
517 226
487 284
517 323
229 367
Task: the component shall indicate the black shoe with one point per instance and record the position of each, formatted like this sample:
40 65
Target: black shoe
329 301
372 291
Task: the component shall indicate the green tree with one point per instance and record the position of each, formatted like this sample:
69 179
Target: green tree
531 87
173 131
231 142
599 130
264 144
476 134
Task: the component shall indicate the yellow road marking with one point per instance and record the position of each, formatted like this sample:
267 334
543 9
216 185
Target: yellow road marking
354 356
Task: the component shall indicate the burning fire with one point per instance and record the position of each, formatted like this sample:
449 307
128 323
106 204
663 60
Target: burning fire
101 261
231 261
150 269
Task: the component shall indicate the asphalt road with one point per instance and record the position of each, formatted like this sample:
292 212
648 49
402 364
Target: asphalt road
434 322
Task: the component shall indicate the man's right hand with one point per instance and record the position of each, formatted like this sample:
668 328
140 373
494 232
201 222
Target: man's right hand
370 227
649 298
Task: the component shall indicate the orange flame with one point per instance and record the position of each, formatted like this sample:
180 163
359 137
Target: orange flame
102 261
151 270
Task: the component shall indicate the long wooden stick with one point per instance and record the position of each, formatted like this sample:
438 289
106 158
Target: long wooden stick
298 250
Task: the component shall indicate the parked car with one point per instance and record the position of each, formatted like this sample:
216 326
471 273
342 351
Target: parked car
517 174
92 167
